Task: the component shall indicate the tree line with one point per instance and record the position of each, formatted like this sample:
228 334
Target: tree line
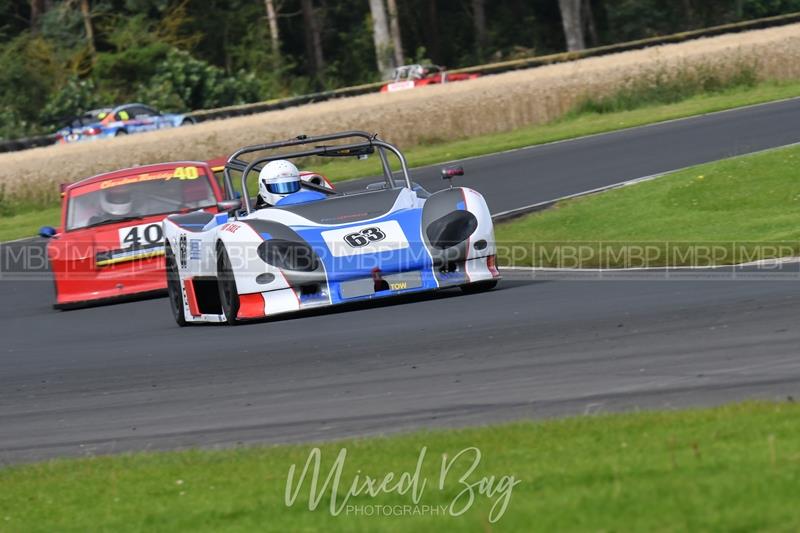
61 57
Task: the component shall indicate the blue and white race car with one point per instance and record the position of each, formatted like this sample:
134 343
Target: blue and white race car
116 121
318 247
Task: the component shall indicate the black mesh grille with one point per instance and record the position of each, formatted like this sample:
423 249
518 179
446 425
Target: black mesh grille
451 229
288 255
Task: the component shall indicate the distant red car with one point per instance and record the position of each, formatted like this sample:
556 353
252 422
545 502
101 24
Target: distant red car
412 76
110 243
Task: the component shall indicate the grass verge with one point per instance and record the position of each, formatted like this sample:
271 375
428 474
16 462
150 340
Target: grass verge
731 468
20 223
27 222
732 211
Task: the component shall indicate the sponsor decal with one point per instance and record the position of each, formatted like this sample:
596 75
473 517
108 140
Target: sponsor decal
182 250
230 228
194 249
349 216
180 173
367 286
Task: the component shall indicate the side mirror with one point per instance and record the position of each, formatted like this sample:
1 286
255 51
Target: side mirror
47 232
448 173
227 206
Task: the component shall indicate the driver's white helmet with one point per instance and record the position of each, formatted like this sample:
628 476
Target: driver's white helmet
277 180
116 201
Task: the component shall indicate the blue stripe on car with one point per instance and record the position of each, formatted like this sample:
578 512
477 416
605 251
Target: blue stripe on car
413 258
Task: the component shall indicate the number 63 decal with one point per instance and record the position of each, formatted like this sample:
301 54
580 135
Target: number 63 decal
364 237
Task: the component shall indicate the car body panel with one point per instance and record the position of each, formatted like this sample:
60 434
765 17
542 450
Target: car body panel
412 76
352 253
118 259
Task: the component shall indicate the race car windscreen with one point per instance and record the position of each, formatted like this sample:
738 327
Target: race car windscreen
139 195
89 118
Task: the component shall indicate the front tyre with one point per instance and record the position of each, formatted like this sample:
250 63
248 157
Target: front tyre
120 133
228 295
479 286
174 288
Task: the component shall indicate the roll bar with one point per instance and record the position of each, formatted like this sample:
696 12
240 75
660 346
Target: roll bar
369 143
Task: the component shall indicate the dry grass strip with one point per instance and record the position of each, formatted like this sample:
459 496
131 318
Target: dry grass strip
493 104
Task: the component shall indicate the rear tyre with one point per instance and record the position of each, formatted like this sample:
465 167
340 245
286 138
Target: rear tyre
228 295
479 286
187 121
174 288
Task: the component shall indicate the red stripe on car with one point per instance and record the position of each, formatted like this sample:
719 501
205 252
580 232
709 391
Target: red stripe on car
251 306
194 309
491 264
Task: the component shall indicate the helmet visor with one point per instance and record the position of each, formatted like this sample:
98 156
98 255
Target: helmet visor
118 197
287 187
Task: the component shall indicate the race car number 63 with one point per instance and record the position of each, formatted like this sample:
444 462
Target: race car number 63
141 235
364 237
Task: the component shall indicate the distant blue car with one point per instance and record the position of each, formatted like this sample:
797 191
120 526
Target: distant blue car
122 120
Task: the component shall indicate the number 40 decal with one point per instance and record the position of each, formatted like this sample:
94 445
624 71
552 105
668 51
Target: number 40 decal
186 173
142 235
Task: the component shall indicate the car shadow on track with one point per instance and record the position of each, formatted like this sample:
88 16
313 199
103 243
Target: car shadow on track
393 301
406 299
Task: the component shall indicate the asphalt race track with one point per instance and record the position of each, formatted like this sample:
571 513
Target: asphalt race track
124 377
522 177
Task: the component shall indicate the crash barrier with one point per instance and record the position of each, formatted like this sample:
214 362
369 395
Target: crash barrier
15 145
487 69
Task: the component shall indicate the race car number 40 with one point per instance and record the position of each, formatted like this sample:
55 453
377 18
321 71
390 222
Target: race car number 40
141 235
367 239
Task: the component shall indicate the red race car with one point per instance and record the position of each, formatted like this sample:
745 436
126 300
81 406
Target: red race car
412 76
110 243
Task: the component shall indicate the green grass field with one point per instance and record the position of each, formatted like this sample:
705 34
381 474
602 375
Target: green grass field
28 222
574 125
738 210
734 468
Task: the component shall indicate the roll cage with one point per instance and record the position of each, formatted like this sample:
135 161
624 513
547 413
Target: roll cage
368 144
